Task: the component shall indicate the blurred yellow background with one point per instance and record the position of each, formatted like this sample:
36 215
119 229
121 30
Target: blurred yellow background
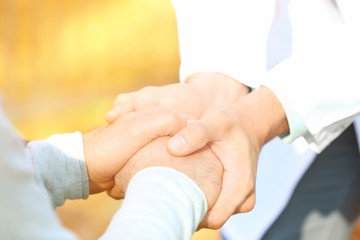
62 62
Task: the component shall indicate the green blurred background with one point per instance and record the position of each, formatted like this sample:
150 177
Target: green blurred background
62 62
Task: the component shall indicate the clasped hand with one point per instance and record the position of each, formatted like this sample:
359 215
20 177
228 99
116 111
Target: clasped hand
211 116
210 102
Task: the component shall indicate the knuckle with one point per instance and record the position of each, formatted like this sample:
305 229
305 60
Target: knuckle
144 97
113 194
192 77
171 116
249 204
199 130
247 207
119 99
173 121
147 90
225 119
215 225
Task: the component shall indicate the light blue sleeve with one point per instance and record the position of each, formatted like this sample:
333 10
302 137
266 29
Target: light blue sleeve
60 166
25 207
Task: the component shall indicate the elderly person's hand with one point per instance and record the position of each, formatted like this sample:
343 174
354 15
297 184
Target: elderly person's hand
202 167
222 114
108 149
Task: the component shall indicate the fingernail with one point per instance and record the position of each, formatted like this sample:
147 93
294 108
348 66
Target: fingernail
110 114
113 112
178 143
116 108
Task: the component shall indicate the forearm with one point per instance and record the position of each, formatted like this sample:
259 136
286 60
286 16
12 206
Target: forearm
160 203
60 166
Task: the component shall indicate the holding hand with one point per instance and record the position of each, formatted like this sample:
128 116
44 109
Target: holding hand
234 124
202 167
108 149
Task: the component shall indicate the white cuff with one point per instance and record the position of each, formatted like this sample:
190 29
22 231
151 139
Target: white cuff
160 203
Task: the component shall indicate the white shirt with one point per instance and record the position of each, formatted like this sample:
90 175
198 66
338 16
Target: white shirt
318 85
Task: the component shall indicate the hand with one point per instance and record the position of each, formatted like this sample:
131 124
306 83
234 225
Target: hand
238 146
191 99
211 99
203 167
108 149
231 123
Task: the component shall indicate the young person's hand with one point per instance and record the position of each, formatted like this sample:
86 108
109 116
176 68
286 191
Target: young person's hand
107 149
191 99
234 124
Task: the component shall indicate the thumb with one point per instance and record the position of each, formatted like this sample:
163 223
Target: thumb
210 128
190 139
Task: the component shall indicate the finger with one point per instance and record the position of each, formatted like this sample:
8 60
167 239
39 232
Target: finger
224 207
248 205
238 185
118 111
123 98
213 126
123 104
115 193
190 139
227 204
134 130
154 122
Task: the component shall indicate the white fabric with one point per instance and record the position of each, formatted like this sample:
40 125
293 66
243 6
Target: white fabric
60 164
149 208
317 86
227 36
231 37
320 83
167 203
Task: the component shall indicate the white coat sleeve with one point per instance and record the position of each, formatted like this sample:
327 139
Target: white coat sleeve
319 85
226 36
160 204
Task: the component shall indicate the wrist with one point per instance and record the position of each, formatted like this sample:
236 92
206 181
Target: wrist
220 84
96 184
263 115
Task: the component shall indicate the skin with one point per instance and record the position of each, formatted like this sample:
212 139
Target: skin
234 123
107 149
202 167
